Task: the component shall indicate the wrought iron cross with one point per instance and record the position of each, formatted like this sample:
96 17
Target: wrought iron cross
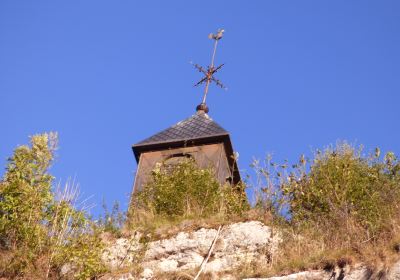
211 70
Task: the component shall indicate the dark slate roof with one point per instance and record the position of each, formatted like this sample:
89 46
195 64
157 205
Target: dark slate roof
200 125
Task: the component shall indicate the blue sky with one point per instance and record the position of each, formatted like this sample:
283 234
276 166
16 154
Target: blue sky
107 74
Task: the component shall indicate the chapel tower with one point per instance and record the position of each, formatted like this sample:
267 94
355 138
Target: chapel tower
197 137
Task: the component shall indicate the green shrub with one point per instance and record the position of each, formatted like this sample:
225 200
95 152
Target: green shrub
39 233
25 194
340 207
189 191
344 185
338 188
82 253
25 203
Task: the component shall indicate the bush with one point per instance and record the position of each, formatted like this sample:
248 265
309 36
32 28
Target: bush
25 194
189 191
338 188
343 186
39 233
82 254
340 207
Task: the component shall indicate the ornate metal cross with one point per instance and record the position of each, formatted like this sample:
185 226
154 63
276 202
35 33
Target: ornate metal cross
211 70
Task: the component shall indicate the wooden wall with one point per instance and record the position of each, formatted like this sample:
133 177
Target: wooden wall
212 155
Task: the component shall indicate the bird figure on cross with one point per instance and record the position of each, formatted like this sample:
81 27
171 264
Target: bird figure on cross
217 36
211 70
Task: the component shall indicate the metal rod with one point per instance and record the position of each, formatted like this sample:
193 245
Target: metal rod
213 56
210 72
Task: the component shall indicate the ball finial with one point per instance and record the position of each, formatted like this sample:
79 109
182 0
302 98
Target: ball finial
202 107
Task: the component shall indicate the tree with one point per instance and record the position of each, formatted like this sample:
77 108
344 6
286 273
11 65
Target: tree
39 233
25 194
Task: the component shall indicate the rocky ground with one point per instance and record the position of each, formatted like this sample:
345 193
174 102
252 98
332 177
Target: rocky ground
218 252
358 272
235 245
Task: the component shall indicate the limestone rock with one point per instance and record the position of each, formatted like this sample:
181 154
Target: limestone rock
358 272
394 272
237 244
122 251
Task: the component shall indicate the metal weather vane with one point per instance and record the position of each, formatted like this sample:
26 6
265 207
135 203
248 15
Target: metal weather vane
211 70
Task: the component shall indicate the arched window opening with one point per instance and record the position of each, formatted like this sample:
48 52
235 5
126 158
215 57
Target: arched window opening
173 160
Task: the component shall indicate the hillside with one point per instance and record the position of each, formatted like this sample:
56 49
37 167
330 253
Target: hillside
334 216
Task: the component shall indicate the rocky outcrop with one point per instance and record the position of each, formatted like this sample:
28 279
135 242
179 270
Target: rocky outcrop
236 244
358 272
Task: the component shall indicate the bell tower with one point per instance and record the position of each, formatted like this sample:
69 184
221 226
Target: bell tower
198 137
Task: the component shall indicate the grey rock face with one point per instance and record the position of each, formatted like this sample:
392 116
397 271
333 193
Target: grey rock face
358 272
237 244
122 252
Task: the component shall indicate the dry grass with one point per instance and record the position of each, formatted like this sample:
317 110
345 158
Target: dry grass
163 228
184 275
328 248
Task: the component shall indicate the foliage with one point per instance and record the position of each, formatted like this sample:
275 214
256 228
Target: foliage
83 254
40 232
340 207
189 191
339 186
25 194
112 221
343 186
